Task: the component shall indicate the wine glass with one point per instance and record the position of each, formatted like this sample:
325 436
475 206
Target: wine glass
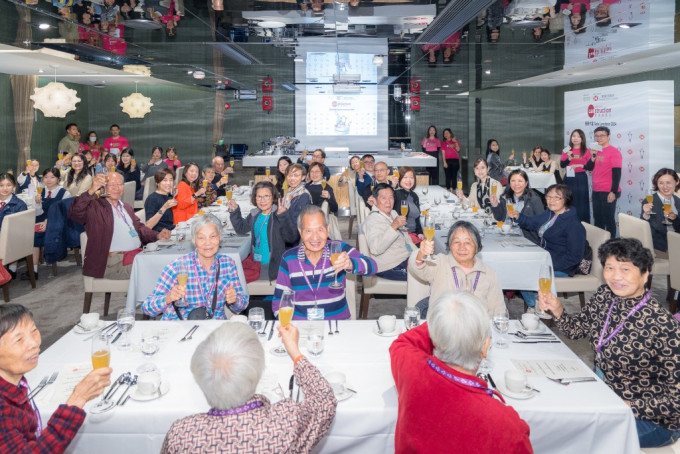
182 279
101 350
125 320
425 190
501 323
666 210
650 198
486 365
256 319
545 276
428 231
411 317
336 250
323 184
511 209
286 311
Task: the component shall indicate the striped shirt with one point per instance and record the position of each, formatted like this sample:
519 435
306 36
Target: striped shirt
200 287
314 288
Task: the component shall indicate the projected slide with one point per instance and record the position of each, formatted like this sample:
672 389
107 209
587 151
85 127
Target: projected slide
330 114
323 66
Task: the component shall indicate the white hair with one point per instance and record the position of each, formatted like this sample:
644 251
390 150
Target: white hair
458 324
227 366
204 220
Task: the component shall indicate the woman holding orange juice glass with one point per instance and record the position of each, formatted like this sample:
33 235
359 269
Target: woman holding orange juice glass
560 232
482 188
128 167
407 203
19 354
519 197
188 192
660 208
211 188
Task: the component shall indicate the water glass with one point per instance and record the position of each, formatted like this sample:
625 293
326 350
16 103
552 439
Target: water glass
125 320
501 322
150 345
315 342
411 317
256 319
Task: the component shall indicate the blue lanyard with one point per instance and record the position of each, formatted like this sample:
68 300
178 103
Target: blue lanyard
121 213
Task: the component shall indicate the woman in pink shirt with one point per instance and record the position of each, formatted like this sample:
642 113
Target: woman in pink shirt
574 157
431 146
450 159
171 158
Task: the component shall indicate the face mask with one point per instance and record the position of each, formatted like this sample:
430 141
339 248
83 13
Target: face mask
93 139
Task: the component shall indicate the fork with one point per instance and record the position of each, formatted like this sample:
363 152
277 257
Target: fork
40 386
336 327
330 328
188 335
51 380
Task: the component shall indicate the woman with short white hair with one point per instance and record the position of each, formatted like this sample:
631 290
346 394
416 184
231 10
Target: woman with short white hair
442 404
227 366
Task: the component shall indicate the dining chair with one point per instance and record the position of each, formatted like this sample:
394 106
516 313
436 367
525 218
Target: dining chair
670 449
178 175
129 189
92 285
674 260
16 243
352 190
261 287
149 188
141 214
590 282
632 227
375 285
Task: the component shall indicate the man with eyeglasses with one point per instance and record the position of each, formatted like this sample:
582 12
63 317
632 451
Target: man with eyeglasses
365 174
114 233
382 176
318 156
606 166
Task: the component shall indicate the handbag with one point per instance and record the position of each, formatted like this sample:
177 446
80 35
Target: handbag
5 277
201 313
587 261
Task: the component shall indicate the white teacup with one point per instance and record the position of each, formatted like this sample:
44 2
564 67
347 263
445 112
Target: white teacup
506 228
387 323
149 382
337 382
515 380
151 247
530 321
89 321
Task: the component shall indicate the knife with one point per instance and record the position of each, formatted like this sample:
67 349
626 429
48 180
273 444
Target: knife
491 381
566 381
271 332
117 337
537 342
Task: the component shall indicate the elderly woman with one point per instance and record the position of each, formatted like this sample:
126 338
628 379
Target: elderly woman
158 205
560 231
665 183
387 244
459 270
270 235
211 284
636 340
406 194
21 428
441 402
316 189
519 195
211 188
296 197
228 366
483 187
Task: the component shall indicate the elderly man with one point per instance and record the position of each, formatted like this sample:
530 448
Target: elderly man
308 269
227 367
317 156
69 143
382 173
29 176
443 406
365 177
114 233
387 243
220 171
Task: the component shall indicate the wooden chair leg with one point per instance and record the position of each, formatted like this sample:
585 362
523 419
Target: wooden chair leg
351 225
107 301
673 306
363 308
565 295
31 272
671 292
54 269
5 292
582 299
41 256
79 260
87 302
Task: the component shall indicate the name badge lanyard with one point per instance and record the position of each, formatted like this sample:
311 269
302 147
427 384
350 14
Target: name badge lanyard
605 340
121 213
455 280
464 381
304 274
259 233
213 288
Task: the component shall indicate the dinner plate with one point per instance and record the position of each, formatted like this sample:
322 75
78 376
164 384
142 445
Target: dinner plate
79 330
136 395
528 394
396 332
166 242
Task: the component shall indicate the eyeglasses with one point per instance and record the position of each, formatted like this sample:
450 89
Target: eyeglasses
553 197
263 197
381 170
601 135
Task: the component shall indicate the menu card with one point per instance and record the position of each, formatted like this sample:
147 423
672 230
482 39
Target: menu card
69 376
554 368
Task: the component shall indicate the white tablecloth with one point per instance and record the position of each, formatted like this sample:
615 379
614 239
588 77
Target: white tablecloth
580 418
415 159
541 180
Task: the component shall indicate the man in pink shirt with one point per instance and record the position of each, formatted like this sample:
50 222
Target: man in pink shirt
116 142
606 167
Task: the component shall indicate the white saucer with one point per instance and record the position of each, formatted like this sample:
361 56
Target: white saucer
166 242
78 330
345 395
136 395
528 394
396 332
539 330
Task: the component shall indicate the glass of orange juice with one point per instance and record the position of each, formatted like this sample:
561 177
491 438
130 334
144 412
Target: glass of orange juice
231 163
545 276
205 184
267 171
101 351
229 194
459 185
500 224
286 311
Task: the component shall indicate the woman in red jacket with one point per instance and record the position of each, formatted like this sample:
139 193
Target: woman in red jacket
188 190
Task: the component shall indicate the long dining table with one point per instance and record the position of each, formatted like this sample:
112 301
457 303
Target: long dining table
582 417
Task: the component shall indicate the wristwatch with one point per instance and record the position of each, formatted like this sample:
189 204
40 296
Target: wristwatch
161 211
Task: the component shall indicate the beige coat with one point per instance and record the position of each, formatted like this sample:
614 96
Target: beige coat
439 275
388 247
76 189
472 197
